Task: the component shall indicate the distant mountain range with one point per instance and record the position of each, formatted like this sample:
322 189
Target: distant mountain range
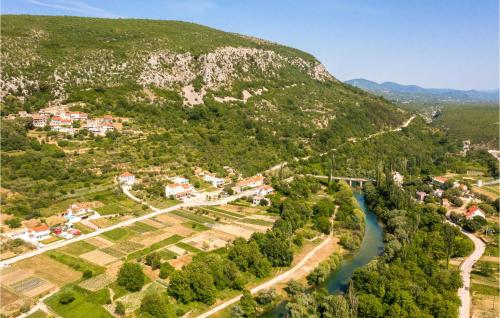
414 93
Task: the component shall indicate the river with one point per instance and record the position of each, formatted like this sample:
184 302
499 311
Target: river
371 247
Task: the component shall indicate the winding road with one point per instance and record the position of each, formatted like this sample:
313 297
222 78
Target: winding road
465 270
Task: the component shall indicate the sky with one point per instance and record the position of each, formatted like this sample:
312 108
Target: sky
431 43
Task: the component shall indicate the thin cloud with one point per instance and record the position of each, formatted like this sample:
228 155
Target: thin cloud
76 6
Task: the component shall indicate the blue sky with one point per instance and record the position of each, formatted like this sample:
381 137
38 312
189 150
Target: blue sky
432 43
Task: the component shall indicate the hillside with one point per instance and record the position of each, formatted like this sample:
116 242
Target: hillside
414 93
188 95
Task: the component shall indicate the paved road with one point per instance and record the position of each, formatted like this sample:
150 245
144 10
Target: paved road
465 270
270 282
199 201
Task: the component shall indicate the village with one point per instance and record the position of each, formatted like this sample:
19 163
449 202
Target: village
178 190
60 119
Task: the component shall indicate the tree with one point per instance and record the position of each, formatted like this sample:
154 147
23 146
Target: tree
370 307
66 298
449 240
294 288
323 224
131 277
266 296
120 308
248 305
179 287
156 306
87 274
13 223
153 260
166 270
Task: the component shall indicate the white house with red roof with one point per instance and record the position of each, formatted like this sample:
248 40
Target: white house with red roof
474 211
439 181
126 178
178 190
78 116
252 182
32 235
264 190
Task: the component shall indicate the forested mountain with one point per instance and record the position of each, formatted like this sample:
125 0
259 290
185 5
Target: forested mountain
414 93
191 95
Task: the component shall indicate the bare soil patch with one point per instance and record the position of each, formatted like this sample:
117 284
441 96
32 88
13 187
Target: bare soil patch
181 261
150 238
235 230
210 240
169 220
253 227
99 242
49 269
7 297
153 223
98 257
177 250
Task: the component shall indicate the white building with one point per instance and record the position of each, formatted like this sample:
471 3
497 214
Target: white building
474 211
32 235
39 120
210 178
179 180
252 182
126 178
264 190
178 190
257 199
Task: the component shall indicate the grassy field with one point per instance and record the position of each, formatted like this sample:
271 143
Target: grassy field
86 304
75 262
171 240
78 248
117 234
193 217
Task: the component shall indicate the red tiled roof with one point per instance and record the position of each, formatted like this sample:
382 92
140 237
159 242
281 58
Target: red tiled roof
250 180
126 174
441 179
471 210
40 228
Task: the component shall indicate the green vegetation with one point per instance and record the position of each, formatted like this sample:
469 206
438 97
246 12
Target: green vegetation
303 113
477 123
78 248
117 234
156 246
75 262
131 277
193 217
85 304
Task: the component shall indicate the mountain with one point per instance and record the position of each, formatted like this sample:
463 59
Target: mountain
192 95
414 93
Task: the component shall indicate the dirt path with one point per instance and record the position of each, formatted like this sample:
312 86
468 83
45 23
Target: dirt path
282 277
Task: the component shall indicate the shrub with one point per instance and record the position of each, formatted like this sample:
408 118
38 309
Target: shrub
131 277
66 298
165 270
87 274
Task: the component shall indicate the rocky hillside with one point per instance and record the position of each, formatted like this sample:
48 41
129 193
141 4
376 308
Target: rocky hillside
222 89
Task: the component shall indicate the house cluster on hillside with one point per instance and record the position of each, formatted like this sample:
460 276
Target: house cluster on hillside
59 119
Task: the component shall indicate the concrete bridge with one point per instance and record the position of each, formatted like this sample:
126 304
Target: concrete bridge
350 180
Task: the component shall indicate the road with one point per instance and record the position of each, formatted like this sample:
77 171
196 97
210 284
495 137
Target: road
270 282
199 201
354 140
465 270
